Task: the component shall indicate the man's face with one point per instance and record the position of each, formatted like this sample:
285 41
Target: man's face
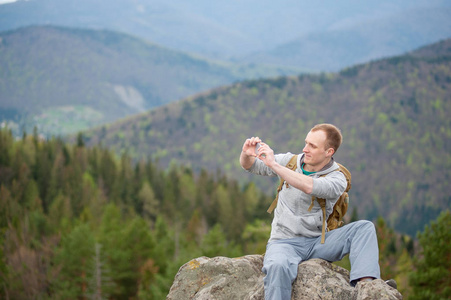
315 148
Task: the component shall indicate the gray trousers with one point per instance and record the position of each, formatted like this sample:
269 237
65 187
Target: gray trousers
282 257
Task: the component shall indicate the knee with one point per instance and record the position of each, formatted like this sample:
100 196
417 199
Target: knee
366 226
279 272
279 264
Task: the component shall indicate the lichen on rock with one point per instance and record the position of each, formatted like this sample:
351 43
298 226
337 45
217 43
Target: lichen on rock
223 278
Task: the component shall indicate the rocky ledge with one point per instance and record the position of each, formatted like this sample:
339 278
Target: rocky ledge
222 278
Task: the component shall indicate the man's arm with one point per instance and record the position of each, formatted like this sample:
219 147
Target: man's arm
295 179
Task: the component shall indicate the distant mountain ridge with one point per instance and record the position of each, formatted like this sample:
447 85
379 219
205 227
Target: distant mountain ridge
64 80
320 36
394 114
335 49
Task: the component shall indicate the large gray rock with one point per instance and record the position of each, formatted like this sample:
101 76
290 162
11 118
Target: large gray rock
223 278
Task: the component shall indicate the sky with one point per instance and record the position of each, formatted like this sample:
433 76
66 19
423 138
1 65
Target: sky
6 1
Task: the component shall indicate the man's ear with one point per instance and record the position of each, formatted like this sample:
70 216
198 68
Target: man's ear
330 152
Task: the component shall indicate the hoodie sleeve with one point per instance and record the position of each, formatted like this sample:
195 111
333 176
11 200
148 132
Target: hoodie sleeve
259 167
330 186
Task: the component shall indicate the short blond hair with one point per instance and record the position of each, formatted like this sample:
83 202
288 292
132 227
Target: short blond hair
333 135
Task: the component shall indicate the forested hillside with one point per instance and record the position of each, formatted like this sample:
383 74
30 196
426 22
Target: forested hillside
64 80
82 223
394 114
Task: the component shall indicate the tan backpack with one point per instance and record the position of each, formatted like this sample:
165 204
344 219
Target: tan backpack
335 219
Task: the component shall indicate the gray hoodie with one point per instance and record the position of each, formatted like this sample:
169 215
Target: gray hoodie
291 216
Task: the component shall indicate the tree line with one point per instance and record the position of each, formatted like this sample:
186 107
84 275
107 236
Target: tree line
79 222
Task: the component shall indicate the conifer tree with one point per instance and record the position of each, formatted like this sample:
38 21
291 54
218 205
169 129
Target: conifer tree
6 143
165 247
386 242
138 243
146 198
250 199
100 286
60 212
75 257
225 210
216 244
404 268
30 200
4 272
432 278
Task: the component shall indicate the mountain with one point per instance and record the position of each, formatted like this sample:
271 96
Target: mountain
394 114
342 46
307 33
64 80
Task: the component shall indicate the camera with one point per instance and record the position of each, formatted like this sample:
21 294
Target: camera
256 148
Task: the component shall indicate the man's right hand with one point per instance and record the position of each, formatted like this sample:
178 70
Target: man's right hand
249 146
248 153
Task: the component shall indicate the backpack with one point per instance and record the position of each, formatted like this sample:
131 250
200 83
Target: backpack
335 219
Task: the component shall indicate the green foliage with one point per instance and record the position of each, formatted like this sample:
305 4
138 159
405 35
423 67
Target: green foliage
255 236
216 244
80 222
395 255
394 115
112 228
75 258
431 278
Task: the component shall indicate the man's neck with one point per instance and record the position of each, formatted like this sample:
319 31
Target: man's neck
316 168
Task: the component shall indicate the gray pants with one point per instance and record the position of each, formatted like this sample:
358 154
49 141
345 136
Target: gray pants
283 256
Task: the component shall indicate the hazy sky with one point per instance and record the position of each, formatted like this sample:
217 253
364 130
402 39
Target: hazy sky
6 1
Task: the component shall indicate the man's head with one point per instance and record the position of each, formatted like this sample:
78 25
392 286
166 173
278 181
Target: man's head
333 135
321 143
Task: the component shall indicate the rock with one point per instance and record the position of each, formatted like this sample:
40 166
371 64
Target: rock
217 278
376 289
223 278
319 279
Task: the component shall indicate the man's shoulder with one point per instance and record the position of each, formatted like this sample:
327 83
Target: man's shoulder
334 172
284 158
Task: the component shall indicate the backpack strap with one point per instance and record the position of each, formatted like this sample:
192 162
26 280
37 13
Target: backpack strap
292 165
322 203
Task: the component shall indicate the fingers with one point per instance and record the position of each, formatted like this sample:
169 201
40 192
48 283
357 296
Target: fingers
249 146
261 150
266 154
253 141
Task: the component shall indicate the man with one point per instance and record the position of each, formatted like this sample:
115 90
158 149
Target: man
296 231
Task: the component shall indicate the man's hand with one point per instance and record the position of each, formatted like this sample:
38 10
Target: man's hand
250 145
248 153
266 154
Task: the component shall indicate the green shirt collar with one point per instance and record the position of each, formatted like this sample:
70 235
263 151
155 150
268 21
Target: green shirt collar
306 172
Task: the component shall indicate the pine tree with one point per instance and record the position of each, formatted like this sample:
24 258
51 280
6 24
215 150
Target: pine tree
4 272
75 258
6 149
216 244
432 278
149 203
100 285
250 199
404 268
387 250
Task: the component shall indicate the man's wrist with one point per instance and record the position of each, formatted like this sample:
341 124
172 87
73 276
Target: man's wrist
274 166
